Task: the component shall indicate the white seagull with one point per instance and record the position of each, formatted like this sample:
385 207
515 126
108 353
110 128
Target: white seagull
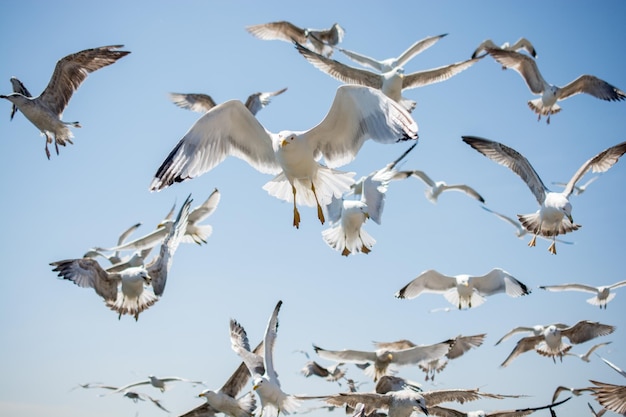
536 330
521 43
578 189
464 291
391 83
585 356
159 383
546 105
134 289
321 40
602 293
202 103
383 358
357 114
550 342
261 367
388 64
348 214
554 216
45 111
438 187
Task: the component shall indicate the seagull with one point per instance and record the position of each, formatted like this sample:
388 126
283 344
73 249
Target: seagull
438 187
448 412
347 215
550 94
390 63
578 189
202 103
521 43
602 293
536 330
464 291
550 342
391 83
225 399
383 358
460 345
45 111
610 396
117 256
332 373
554 216
261 367
388 383
585 356
357 113
134 289
133 395
159 383
19 88
575 391
520 232
321 40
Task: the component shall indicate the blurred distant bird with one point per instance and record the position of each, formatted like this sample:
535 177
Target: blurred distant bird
133 395
550 94
521 43
464 291
45 111
536 330
261 367
585 356
19 88
603 293
365 200
388 64
554 216
448 412
383 358
388 383
133 289
610 396
357 114
156 382
321 41
437 187
576 391
391 83
332 373
202 103
578 189
550 342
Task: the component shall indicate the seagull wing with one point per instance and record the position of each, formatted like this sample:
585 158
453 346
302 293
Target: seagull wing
586 330
357 114
614 367
507 219
462 344
570 287
422 176
599 163
160 266
594 86
371 401
72 70
513 160
205 209
20 88
346 355
241 346
435 75
126 233
516 330
416 354
458 395
364 60
427 281
523 43
417 48
240 377
438 411
200 103
524 65
281 30
149 240
227 129
610 396
257 101
465 189
88 273
269 341
523 345
497 281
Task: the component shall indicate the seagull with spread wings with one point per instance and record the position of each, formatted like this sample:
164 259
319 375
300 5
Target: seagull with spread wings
159 383
45 110
602 293
358 113
554 216
133 395
521 43
202 103
321 40
551 94
437 187
536 330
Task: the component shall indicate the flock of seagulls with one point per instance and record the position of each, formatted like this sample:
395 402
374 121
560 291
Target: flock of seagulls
370 105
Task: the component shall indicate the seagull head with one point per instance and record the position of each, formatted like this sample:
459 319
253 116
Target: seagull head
420 404
285 138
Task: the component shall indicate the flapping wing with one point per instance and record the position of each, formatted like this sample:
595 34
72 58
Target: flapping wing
200 103
610 396
371 401
88 273
257 101
427 281
346 355
497 281
205 209
417 48
282 30
586 330
570 287
435 75
462 344
523 345
269 340
20 88
523 64
233 386
227 129
241 346
417 354
364 60
594 86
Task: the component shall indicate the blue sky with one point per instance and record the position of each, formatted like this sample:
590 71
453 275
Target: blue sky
56 335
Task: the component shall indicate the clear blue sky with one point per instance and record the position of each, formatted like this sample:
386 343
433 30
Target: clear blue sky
56 335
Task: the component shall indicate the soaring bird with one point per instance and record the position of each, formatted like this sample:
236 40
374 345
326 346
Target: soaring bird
159 383
521 43
437 187
45 111
357 114
464 291
536 330
388 64
391 82
134 289
321 40
133 395
546 105
261 367
554 216
550 342
602 293
202 103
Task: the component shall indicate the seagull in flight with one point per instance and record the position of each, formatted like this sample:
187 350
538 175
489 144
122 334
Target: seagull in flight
437 187
585 356
45 111
388 64
358 113
133 395
551 94
202 103
159 383
536 330
321 40
464 291
578 189
602 293
554 216
521 43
